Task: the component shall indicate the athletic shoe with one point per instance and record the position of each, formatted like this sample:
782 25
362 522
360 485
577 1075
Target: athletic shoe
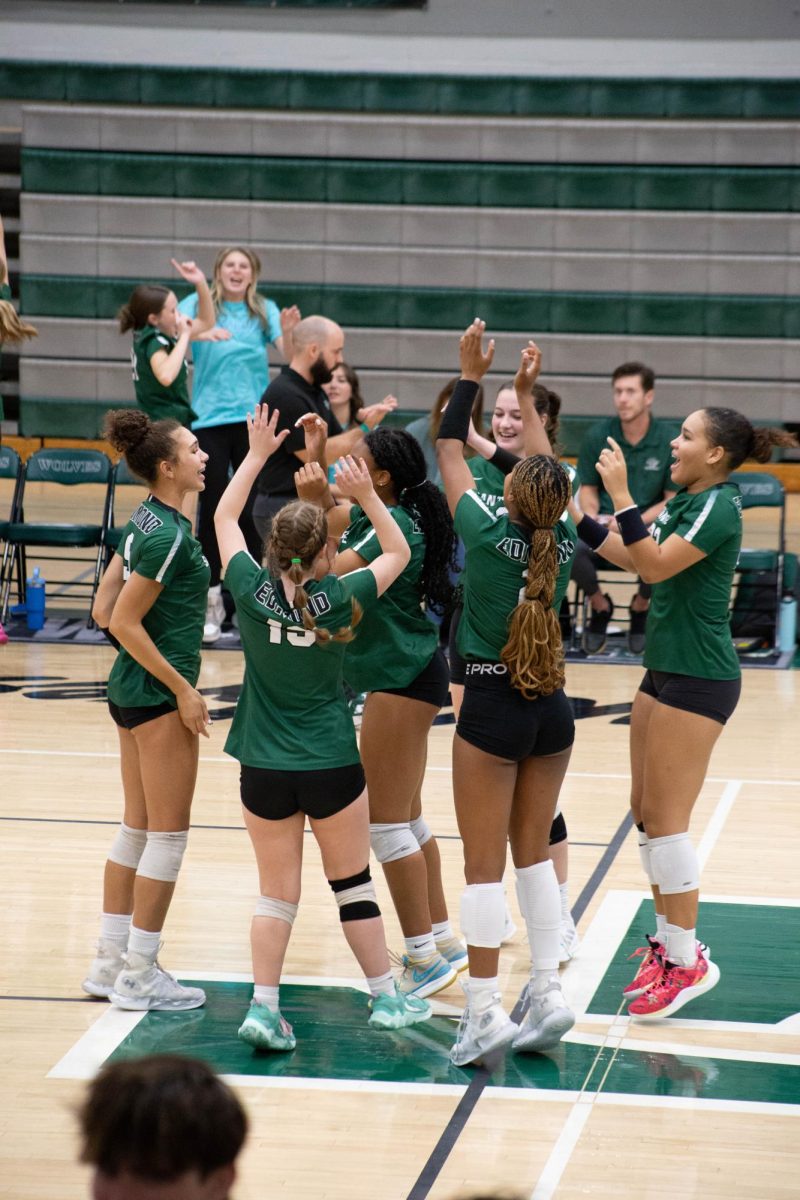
636 631
548 1018
264 1029
509 929
595 628
568 940
649 968
142 986
104 970
215 615
480 1034
454 950
425 976
675 987
397 1011
3 636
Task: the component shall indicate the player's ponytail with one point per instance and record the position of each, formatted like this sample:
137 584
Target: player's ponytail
298 533
534 655
739 439
12 328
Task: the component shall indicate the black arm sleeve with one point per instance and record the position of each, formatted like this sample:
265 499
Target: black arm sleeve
455 418
504 460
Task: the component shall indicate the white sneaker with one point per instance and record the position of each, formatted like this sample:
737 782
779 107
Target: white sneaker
569 940
548 1018
142 985
215 615
479 1033
104 970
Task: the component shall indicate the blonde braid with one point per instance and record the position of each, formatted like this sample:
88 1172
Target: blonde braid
534 655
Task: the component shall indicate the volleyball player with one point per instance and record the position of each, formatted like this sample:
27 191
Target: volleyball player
515 731
692 675
293 734
152 600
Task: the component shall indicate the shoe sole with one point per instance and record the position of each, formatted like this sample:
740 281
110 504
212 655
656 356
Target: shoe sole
458 964
433 986
260 1039
501 1041
151 1004
710 980
549 1033
100 991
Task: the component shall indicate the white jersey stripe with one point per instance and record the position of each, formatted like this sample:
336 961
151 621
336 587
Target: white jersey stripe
474 496
366 538
173 551
698 525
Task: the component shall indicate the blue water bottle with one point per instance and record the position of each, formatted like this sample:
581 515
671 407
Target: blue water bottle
35 600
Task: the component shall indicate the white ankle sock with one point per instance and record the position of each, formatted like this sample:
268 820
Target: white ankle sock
681 945
442 931
420 947
661 926
114 928
381 984
563 889
266 996
482 992
144 943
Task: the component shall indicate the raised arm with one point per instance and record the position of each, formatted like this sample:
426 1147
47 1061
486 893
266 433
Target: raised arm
353 478
264 441
206 316
454 429
534 434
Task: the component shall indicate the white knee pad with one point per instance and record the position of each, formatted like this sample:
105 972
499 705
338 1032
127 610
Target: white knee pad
644 855
279 910
420 830
128 846
674 864
390 842
163 855
483 914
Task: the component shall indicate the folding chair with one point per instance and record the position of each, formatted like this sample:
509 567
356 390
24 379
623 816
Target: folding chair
122 477
56 470
760 572
10 468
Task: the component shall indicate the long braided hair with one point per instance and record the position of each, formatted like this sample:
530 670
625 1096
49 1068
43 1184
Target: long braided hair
396 451
540 489
298 532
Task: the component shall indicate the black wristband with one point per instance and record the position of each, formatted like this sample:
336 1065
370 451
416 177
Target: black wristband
456 417
504 460
107 634
631 526
592 532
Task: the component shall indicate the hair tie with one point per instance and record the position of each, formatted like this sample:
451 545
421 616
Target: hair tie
412 487
297 560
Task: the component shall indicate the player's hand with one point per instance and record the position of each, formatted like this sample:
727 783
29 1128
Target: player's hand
183 324
190 271
373 414
315 432
353 479
311 482
475 361
528 370
193 711
613 470
289 318
261 432
217 334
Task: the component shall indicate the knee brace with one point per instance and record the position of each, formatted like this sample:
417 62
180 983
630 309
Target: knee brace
128 846
420 830
279 910
558 830
644 854
390 842
356 897
483 914
163 855
673 862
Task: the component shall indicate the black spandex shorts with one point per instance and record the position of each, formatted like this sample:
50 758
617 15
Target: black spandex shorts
457 663
129 718
714 698
498 719
431 686
276 795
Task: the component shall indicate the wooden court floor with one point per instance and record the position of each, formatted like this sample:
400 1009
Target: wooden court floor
705 1106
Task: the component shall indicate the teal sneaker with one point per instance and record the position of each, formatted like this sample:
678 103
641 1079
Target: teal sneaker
397 1011
455 952
266 1030
425 976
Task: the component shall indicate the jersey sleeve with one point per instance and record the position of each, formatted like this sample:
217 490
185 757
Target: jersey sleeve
273 330
360 585
160 554
712 524
360 536
472 518
241 573
151 343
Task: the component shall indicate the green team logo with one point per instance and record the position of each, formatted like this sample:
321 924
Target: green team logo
145 520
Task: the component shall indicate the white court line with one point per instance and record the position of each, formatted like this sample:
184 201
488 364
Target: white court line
752 1107
717 821
562 1150
91 1050
750 1027
689 1051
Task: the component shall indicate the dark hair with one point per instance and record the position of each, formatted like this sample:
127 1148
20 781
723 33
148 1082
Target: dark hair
399 453
540 489
444 397
356 399
144 443
739 439
646 374
146 300
299 531
548 403
159 1117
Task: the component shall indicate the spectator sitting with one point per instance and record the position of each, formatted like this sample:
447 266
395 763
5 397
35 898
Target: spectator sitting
426 429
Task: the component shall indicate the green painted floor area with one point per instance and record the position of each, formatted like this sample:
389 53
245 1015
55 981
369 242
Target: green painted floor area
756 947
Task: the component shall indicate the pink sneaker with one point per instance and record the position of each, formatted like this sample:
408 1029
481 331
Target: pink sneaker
3 636
675 987
649 969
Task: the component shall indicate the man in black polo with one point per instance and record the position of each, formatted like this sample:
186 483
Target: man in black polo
645 445
317 348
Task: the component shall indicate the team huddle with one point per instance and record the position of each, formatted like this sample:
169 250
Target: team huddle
359 565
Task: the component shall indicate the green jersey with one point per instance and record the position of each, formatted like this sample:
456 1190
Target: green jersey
395 639
648 462
497 554
688 630
292 714
5 294
156 400
158 544
489 482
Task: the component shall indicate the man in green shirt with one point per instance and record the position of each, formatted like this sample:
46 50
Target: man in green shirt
648 454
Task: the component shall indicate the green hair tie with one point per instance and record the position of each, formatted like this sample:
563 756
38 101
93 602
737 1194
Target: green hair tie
297 560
